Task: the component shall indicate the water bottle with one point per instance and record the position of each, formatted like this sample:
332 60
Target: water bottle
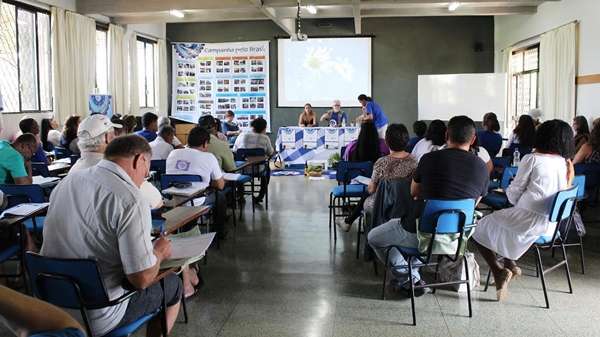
343 123
516 157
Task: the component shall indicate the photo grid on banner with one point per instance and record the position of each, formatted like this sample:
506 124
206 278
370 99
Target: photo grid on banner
211 78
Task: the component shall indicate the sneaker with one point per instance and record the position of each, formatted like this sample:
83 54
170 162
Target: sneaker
343 225
418 291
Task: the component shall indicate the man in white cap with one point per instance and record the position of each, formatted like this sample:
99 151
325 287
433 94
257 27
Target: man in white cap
94 134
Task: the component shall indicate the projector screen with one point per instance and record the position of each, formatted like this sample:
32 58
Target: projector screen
319 70
445 96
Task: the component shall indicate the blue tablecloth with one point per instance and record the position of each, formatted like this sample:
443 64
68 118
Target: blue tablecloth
299 152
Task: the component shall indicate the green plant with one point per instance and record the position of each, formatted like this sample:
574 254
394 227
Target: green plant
334 159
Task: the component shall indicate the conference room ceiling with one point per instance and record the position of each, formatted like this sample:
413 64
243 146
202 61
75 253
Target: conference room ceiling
283 12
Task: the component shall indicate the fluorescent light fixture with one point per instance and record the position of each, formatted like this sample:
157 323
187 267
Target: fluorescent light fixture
453 6
176 13
311 9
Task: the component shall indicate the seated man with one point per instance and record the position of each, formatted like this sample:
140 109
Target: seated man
164 143
216 146
94 134
256 139
229 127
15 159
150 123
30 125
100 213
450 174
196 160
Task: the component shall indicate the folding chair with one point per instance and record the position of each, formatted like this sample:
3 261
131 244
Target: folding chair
578 181
440 217
61 152
40 169
158 166
20 194
255 172
77 284
342 195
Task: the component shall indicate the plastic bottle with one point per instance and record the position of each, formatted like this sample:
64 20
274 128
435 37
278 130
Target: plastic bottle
516 157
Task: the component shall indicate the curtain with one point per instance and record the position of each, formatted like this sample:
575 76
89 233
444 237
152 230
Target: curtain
117 69
134 95
558 67
161 88
74 57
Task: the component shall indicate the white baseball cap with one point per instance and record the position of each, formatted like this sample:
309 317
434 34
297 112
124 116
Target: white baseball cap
95 125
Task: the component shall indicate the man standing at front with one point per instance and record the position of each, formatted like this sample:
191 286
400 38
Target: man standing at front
100 213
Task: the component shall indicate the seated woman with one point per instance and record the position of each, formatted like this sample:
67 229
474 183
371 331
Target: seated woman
49 135
398 164
582 132
307 118
589 153
434 139
511 231
522 136
68 140
368 146
256 139
490 138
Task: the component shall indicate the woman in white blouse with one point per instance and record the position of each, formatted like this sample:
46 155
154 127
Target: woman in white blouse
510 232
434 139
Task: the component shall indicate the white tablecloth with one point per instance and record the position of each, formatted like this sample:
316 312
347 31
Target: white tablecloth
296 145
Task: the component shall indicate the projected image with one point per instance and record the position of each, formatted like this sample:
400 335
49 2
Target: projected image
321 70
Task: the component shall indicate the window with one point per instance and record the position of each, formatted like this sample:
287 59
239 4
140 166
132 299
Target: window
146 63
101 60
525 68
25 58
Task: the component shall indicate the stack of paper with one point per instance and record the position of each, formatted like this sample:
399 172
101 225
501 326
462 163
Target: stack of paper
24 209
194 188
187 248
45 181
361 180
231 176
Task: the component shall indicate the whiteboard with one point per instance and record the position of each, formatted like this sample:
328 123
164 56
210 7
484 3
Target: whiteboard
445 96
319 70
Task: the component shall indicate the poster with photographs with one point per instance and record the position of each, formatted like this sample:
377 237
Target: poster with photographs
212 78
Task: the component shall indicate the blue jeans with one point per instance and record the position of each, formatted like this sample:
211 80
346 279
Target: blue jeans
389 234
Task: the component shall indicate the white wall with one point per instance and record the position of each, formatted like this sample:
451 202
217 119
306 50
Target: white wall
156 30
512 29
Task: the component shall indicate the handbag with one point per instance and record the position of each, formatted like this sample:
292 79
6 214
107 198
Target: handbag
454 270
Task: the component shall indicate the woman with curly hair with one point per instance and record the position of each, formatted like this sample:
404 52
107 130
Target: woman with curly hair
69 136
589 153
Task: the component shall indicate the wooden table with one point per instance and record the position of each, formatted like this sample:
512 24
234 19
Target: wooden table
180 216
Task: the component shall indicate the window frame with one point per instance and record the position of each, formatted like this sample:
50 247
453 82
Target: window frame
146 41
100 26
526 72
35 11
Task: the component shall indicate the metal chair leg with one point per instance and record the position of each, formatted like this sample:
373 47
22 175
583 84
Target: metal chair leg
412 293
468 285
540 268
330 212
581 257
567 270
385 271
358 232
184 306
335 200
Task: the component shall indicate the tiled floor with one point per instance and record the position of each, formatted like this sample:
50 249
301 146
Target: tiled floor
281 275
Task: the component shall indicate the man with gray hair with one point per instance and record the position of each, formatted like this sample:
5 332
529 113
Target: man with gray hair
95 133
163 144
335 117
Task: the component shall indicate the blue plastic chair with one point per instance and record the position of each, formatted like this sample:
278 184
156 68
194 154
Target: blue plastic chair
343 194
40 169
439 217
167 179
77 284
61 152
20 194
160 166
563 207
498 200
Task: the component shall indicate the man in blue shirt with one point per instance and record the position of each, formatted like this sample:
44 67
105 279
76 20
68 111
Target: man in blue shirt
30 125
150 123
229 127
335 117
373 111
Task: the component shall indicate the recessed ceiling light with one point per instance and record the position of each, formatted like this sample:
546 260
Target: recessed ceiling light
311 9
453 6
176 13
